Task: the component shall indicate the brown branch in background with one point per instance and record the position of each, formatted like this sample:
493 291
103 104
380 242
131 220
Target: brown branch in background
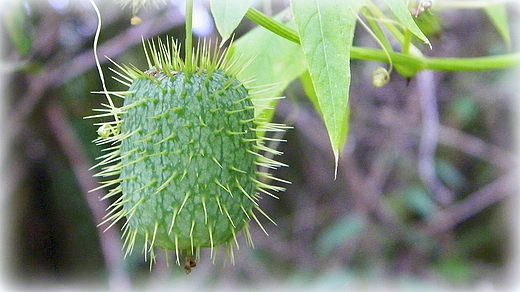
54 77
365 189
476 147
448 218
429 138
56 73
368 190
80 163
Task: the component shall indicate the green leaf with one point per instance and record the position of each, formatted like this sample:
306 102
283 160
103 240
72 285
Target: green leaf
274 61
228 14
18 27
498 15
348 229
450 175
326 30
308 87
420 201
404 16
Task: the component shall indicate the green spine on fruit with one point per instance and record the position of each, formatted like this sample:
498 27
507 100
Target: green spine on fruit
184 162
185 150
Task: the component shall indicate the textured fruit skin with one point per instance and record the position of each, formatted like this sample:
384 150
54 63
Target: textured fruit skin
188 163
187 155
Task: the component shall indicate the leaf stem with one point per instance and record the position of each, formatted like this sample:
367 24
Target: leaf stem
378 39
407 41
189 37
376 29
392 28
272 25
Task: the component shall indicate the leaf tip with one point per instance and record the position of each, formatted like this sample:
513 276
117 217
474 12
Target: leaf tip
336 162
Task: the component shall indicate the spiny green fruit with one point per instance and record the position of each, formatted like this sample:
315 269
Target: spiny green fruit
185 149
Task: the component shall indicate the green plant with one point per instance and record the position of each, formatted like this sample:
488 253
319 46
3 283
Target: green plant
324 30
318 53
185 148
186 153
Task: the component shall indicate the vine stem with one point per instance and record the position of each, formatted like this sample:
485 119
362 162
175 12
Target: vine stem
413 63
263 20
189 36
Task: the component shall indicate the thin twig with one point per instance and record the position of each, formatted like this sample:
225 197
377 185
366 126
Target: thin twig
80 163
476 147
55 77
448 218
429 138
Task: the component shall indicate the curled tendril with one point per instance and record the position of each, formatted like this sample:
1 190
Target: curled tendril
380 77
135 20
105 130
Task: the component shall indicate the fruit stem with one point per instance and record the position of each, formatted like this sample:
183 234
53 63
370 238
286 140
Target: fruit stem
189 37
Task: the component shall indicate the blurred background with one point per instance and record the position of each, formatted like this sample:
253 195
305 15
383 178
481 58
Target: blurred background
423 196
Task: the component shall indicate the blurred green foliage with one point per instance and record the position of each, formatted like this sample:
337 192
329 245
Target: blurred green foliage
372 224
